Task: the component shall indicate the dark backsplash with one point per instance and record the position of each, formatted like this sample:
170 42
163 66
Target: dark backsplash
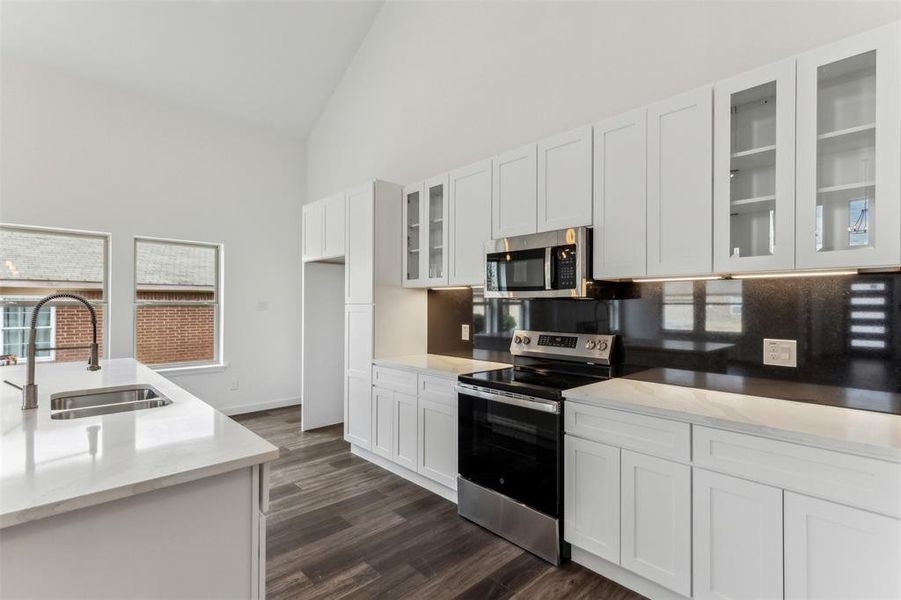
848 328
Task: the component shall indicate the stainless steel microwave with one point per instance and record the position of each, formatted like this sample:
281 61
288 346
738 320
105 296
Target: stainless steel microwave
552 264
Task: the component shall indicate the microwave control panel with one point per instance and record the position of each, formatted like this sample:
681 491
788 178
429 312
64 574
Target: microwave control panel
565 267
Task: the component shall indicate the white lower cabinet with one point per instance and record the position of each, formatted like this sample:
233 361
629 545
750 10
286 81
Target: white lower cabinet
383 422
406 436
438 441
835 551
591 497
737 527
656 520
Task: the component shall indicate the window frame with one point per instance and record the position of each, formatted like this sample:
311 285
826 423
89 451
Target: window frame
104 301
52 327
218 360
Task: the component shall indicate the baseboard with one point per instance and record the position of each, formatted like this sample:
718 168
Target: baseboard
258 406
622 576
411 476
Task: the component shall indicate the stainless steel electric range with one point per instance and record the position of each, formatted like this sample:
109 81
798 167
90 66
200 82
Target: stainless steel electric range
510 436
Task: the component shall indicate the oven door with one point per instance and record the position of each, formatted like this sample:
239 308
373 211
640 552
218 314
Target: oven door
513 446
519 271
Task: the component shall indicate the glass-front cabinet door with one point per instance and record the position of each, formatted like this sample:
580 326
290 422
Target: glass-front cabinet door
413 235
849 153
754 178
434 223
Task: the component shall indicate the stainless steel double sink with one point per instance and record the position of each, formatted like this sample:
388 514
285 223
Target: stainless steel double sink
104 401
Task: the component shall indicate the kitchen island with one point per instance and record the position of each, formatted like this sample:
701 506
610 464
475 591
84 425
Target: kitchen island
162 502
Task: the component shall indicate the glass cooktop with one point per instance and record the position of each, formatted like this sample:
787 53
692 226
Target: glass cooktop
530 382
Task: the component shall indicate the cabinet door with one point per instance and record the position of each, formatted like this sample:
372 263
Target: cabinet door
564 180
406 427
469 223
620 196
358 374
333 228
515 201
656 520
358 264
849 149
414 237
438 441
312 231
680 185
737 538
433 265
834 551
591 496
754 171
383 422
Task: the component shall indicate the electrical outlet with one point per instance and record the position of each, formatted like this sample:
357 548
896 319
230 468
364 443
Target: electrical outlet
234 385
780 353
464 332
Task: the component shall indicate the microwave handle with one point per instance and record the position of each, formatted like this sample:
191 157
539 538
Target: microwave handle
548 253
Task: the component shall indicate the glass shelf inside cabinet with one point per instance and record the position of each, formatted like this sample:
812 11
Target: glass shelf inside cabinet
846 152
412 236
752 221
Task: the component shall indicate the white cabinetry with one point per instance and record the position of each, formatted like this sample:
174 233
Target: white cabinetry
754 171
564 180
438 430
849 149
358 374
834 551
323 229
359 264
333 226
413 236
620 196
394 426
433 229
656 520
312 231
382 422
469 222
514 203
680 200
737 538
591 497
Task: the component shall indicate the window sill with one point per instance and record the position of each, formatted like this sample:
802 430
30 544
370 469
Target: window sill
191 369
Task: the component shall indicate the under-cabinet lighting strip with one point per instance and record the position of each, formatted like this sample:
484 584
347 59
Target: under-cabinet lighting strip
659 279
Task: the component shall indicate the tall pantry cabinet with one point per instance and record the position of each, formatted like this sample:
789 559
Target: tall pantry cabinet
381 318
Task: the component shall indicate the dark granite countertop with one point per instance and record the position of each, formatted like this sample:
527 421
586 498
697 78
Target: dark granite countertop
855 398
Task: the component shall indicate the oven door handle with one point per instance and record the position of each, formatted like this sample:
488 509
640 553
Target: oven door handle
548 406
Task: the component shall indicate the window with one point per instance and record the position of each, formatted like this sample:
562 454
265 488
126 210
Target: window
177 292
37 262
678 306
724 304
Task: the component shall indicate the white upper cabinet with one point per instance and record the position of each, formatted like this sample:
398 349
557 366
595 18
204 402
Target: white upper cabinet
469 222
333 226
849 149
433 232
359 264
620 196
312 231
413 235
754 171
514 203
680 182
564 180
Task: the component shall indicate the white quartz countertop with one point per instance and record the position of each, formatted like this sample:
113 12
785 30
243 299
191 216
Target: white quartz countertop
48 467
860 432
438 365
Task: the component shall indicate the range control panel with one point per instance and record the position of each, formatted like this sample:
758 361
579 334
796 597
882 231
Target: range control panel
588 347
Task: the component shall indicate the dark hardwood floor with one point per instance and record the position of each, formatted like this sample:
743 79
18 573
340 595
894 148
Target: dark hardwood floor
341 527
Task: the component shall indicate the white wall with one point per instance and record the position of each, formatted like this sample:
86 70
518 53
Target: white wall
78 154
436 85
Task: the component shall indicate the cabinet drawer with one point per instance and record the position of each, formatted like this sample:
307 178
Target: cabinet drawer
855 480
394 379
438 389
650 435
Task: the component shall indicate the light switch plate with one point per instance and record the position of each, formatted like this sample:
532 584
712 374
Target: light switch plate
464 332
780 353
